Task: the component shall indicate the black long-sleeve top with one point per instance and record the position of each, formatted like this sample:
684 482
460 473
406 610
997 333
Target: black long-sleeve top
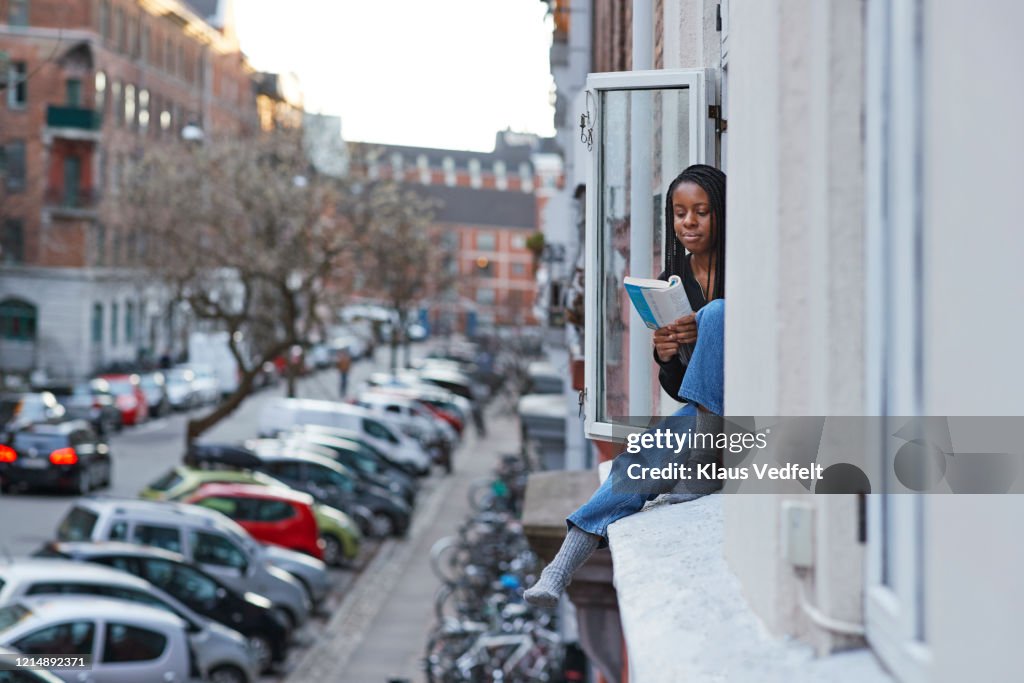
671 371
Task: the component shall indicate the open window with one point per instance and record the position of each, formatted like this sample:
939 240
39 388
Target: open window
647 126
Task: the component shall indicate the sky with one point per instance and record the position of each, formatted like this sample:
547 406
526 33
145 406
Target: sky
425 73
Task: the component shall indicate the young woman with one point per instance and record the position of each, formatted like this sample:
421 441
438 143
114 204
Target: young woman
690 355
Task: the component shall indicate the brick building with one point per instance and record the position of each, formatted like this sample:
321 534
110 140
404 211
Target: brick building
90 83
489 205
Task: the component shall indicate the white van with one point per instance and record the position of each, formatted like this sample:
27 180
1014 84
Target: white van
287 414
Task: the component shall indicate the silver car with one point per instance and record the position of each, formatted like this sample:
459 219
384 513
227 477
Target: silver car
138 645
222 654
207 538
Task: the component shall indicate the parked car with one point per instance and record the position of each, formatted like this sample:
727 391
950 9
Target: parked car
250 614
367 464
281 517
92 401
414 419
222 655
67 455
128 398
212 541
181 388
284 414
154 386
126 645
204 382
338 530
324 479
358 437
22 409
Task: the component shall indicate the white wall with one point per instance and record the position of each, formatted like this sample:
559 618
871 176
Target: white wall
794 313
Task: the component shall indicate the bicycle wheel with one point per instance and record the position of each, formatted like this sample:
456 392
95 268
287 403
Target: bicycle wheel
443 559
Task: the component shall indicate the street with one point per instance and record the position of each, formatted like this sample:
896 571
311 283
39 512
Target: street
374 625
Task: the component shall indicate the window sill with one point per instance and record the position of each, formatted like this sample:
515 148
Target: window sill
684 615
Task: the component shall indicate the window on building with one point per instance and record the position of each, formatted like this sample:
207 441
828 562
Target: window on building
396 166
449 171
143 109
73 92
17 320
500 175
474 173
144 43
115 101
650 125
117 30
168 61
97 323
14 162
101 244
165 120
131 33
129 322
104 19
423 166
115 315
483 267
72 181
100 94
485 241
129 105
518 242
12 246
17 85
525 177
519 269
17 14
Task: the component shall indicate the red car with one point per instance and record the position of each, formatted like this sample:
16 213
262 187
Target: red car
128 398
272 515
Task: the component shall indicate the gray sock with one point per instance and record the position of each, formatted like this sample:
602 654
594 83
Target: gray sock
576 548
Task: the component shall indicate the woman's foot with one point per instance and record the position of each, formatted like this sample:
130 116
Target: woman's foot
576 548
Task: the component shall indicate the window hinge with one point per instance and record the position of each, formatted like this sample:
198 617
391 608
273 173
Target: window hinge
715 112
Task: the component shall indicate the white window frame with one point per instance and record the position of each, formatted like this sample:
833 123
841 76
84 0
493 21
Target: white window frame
701 84
896 570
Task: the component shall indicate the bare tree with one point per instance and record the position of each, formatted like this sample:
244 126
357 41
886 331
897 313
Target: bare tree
246 235
403 255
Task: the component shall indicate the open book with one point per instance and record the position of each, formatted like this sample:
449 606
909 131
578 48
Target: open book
658 302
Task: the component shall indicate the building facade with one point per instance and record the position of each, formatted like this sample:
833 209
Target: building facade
845 146
89 84
489 204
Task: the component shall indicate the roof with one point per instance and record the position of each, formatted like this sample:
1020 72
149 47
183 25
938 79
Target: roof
58 569
94 548
473 206
511 155
90 607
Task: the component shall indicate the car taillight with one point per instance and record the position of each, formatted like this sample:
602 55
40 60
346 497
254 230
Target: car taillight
64 456
7 454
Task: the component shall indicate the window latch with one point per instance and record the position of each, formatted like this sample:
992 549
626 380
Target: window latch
582 400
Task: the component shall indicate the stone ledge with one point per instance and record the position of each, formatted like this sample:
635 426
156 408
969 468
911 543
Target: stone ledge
684 615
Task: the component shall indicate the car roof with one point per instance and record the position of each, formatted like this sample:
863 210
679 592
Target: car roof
59 569
97 548
317 438
252 491
297 454
288 446
159 511
90 607
314 405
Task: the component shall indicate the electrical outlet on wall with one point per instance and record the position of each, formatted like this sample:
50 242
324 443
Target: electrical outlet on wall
798 533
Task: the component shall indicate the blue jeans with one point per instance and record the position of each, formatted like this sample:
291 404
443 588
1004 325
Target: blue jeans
703 384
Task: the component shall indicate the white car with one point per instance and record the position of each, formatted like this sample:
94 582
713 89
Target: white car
204 383
287 414
411 413
134 645
222 654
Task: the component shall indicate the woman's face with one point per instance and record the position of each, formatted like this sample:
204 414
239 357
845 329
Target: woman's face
692 217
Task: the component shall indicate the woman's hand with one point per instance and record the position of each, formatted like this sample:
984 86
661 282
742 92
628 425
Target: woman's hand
685 329
665 344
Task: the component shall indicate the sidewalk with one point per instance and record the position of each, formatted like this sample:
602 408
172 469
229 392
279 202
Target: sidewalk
379 632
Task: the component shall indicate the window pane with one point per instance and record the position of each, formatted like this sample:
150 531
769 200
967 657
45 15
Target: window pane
213 549
64 639
14 158
164 537
644 142
125 643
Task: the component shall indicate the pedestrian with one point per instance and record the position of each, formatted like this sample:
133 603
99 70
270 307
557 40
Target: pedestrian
344 365
695 208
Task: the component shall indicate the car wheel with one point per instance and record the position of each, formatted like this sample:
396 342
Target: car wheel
228 674
332 551
263 653
383 525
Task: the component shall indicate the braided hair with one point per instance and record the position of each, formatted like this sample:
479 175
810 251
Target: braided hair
712 181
